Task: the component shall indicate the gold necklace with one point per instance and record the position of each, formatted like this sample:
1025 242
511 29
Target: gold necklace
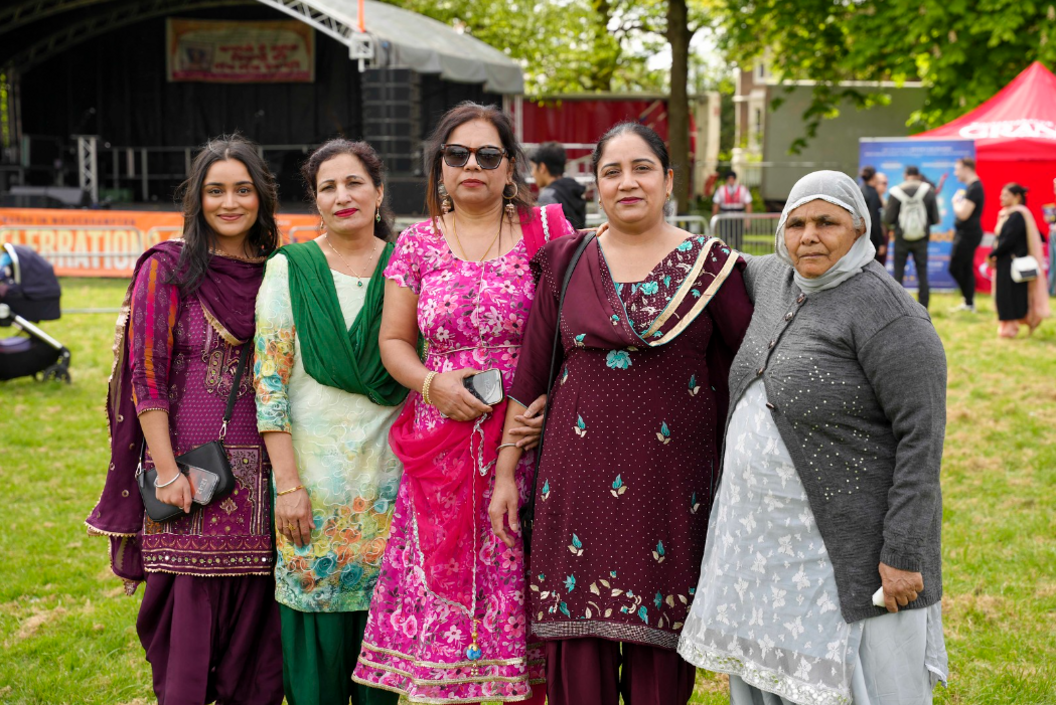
359 279
454 231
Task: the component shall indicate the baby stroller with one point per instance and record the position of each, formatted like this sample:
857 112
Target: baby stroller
29 293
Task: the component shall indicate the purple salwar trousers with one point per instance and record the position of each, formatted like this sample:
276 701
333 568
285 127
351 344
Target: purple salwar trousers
588 671
212 639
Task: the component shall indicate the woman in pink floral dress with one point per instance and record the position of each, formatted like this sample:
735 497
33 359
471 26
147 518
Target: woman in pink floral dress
448 621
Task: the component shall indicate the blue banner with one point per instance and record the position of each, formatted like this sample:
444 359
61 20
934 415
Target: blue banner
935 159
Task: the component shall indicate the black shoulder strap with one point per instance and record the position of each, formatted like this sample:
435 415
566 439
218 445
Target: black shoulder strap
529 513
243 358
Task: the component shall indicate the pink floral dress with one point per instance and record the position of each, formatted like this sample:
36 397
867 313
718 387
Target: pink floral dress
415 641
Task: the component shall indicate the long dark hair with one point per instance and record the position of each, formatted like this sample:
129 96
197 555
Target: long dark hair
363 152
199 240
1017 190
468 111
656 145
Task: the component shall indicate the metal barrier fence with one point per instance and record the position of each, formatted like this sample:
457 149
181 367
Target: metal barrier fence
751 233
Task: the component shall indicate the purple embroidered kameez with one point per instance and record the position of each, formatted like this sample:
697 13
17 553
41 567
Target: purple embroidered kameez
182 365
208 621
632 440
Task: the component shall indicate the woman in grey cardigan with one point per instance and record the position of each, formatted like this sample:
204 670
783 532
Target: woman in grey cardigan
829 503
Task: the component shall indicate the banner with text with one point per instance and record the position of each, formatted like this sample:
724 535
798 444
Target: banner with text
935 159
107 243
273 51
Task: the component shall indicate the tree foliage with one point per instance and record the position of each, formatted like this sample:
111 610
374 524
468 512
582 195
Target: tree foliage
572 46
963 51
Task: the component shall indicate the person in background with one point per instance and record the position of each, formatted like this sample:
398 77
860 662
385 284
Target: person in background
325 405
912 210
548 170
968 230
880 184
208 621
873 201
1017 236
1050 218
825 508
732 198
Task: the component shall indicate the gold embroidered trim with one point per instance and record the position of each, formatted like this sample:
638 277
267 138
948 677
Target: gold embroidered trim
92 531
704 300
453 664
443 681
442 701
683 291
204 575
219 328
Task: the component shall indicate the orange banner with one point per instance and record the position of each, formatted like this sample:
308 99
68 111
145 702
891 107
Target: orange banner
82 243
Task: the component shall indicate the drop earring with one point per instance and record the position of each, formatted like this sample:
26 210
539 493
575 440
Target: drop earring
511 209
446 204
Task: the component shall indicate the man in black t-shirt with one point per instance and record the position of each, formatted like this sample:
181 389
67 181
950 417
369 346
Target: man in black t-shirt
968 234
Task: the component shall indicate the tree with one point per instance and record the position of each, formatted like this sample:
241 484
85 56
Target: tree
576 46
587 46
962 51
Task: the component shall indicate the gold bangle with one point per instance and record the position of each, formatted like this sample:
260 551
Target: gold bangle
289 491
425 387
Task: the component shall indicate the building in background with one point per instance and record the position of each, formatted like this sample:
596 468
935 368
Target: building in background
765 134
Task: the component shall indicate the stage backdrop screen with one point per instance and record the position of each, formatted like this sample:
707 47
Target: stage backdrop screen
935 159
267 51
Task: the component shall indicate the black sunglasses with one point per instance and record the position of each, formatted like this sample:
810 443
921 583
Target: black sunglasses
457 156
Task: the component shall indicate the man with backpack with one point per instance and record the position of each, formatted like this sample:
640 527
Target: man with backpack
912 209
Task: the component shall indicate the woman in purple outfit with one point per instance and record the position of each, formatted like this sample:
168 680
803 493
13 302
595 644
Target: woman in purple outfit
652 319
208 621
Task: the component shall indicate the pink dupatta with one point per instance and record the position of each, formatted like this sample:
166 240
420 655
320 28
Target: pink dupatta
447 471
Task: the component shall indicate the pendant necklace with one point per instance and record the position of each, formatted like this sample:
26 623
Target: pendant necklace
359 279
474 652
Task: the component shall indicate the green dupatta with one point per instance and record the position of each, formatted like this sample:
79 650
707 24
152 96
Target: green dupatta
344 359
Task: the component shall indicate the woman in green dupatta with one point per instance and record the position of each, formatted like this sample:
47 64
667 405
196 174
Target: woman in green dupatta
324 406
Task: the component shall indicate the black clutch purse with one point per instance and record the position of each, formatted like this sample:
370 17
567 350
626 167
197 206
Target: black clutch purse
206 461
526 514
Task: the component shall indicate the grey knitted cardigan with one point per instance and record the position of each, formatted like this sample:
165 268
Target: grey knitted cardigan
855 378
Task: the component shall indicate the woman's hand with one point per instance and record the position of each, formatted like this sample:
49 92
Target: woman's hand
504 505
531 428
900 586
293 517
452 399
178 494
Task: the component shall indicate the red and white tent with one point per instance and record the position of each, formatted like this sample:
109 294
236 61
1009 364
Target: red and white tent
1015 140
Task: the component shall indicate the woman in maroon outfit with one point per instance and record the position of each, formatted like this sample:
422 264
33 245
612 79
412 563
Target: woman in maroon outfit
652 319
208 622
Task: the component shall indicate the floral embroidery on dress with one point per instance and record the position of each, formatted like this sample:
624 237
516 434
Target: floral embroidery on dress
618 360
340 441
649 297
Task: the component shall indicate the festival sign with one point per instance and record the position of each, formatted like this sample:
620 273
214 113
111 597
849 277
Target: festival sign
82 243
935 159
272 51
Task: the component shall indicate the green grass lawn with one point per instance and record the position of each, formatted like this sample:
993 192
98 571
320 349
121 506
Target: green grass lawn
67 633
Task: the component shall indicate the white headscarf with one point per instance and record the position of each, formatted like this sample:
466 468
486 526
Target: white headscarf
839 189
